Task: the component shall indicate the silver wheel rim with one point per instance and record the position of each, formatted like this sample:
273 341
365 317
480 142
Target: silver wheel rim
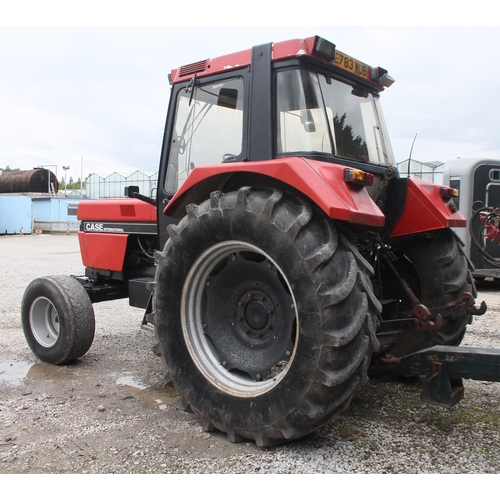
201 348
44 322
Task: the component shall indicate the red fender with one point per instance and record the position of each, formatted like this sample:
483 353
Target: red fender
426 210
322 182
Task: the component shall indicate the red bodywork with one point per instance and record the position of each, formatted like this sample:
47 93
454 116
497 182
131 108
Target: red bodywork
290 49
101 247
111 210
322 182
103 251
426 210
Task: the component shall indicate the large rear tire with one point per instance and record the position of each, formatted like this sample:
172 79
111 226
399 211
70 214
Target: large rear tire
58 319
264 314
438 272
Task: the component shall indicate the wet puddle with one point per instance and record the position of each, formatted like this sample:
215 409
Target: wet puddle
152 398
14 372
128 380
19 372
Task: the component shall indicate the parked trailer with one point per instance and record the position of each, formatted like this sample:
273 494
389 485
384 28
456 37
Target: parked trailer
478 183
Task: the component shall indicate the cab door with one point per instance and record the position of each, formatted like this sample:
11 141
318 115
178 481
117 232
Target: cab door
205 126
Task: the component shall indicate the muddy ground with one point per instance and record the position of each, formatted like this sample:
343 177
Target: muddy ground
110 412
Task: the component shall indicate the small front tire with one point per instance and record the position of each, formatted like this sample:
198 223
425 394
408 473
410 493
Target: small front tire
58 319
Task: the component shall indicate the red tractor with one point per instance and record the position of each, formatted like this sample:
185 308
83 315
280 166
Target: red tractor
282 259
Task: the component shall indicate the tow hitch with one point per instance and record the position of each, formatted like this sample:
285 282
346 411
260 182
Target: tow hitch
442 369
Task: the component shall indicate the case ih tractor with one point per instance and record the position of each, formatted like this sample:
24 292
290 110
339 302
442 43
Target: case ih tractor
281 259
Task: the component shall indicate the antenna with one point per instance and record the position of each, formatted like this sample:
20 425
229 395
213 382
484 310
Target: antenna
409 158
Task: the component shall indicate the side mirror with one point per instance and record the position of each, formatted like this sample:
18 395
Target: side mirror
130 190
133 192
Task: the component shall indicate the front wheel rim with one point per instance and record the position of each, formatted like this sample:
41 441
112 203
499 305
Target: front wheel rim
260 314
44 322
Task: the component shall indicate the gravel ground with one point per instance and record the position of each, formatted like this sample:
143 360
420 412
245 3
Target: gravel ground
110 412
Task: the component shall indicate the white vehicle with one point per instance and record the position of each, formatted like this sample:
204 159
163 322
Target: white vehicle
478 183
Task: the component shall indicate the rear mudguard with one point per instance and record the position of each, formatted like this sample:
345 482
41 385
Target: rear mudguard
421 208
321 182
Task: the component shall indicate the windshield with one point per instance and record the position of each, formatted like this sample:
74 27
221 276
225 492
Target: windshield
317 114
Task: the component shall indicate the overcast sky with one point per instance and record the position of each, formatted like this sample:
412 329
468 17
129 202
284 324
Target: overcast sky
101 93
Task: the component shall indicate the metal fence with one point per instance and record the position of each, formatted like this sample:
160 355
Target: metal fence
56 227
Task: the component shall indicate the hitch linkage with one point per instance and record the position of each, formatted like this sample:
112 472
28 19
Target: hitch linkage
421 321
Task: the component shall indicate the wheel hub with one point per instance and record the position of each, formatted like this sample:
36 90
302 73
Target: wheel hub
256 314
239 318
248 315
44 322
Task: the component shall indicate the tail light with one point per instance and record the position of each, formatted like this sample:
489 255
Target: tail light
448 192
355 176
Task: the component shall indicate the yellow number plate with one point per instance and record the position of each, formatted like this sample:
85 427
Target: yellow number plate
353 65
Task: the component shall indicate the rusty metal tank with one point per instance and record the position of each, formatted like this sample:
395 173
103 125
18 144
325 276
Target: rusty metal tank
38 180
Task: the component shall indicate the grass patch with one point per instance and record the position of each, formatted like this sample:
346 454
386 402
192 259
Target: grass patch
347 431
447 421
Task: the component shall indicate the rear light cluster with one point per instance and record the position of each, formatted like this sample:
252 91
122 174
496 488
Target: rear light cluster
448 192
355 176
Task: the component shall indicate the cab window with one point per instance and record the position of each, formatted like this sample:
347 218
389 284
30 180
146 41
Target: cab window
208 129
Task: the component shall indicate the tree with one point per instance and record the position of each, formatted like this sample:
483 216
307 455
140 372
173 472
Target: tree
348 144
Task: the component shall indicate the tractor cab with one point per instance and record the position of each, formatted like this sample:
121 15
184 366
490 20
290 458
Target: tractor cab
300 98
